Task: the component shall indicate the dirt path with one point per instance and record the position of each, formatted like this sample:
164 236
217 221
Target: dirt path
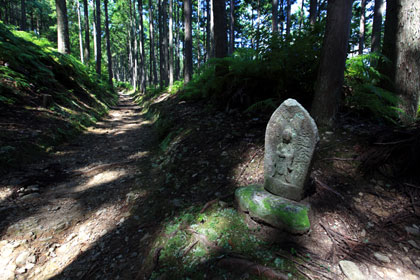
69 216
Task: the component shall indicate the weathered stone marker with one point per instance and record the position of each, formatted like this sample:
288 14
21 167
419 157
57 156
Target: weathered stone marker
290 140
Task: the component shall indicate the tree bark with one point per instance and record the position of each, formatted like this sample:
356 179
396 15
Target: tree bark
87 38
211 29
152 45
333 57
362 26
63 38
208 31
377 26
220 32
288 22
401 46
274 13
165 42
23 25
171 45
95 49
80 32
188 63
141 45
108 45
232 27
312 11
98 37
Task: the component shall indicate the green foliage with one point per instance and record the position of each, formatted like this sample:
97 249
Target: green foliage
123 85
251 79
365 94
30 69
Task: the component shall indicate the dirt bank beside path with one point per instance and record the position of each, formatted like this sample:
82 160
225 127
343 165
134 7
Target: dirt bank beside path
69 216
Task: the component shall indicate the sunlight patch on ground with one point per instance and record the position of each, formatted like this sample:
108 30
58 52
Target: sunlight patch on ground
139 155
84 236
102 178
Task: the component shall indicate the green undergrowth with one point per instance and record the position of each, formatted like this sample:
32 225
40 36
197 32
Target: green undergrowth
192 243
46 97
259 80
365 95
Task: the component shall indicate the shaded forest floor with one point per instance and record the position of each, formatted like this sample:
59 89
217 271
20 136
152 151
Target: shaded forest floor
128 199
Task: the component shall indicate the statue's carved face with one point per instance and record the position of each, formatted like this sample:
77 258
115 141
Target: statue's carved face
287 135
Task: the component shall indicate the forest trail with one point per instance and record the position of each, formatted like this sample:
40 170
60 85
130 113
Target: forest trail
69 216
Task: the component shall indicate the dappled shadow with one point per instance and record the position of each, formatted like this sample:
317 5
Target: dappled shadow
208 157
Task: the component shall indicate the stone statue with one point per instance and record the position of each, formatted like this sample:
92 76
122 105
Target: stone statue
290 141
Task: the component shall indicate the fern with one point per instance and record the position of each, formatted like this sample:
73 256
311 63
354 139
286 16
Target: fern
366 94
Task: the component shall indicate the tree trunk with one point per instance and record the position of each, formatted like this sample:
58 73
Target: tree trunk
208 20
23 25
362 26
188 63
171 45
108 45
232 27
401 46
152 45
258 26
141 45
87 38
377 26
95 49
274 13
331 70
165 42
312 11
134 55
63 39
98 37
211 42
288 22
178 52
220 34
80 32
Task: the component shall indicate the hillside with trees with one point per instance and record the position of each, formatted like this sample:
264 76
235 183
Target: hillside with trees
127 126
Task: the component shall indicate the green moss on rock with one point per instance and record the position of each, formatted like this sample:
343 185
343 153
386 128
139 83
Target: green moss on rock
274 210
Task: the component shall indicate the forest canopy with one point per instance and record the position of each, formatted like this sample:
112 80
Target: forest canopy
245 55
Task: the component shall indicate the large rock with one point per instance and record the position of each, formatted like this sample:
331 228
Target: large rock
290 140
279 212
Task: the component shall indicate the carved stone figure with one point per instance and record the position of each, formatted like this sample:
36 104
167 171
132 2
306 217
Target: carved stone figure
290 141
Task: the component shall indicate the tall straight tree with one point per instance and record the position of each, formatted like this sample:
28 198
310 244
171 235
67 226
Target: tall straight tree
232 27
333 58
108 44
401 46
362 26
23 25
98 37
188 61
171 45
274 14
63 38
153 70
220 32
79 20
141 45
289 13
377 26
312 11
87 38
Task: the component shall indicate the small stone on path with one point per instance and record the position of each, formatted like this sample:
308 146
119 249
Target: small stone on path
351 270
382 258
31 196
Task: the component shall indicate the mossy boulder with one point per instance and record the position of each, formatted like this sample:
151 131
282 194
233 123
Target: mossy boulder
279 212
